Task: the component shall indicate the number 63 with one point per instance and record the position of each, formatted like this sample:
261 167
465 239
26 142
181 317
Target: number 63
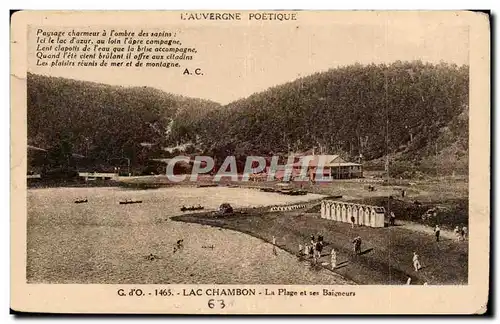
212 303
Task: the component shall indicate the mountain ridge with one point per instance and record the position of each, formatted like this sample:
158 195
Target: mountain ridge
343 110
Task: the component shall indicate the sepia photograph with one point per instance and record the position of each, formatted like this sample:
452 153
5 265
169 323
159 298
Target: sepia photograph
285 150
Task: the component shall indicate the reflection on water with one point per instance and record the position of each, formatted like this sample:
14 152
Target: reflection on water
104 242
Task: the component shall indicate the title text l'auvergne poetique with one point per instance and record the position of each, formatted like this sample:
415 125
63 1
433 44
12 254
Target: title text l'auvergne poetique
260 16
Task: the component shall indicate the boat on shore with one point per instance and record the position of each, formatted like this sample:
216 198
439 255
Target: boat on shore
127 202
207 185
293 192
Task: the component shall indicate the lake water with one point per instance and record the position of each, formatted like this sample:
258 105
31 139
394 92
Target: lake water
104 242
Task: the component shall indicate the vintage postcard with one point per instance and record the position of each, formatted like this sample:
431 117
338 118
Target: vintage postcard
250 162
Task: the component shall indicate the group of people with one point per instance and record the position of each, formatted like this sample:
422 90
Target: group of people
315 246
312 248
460 233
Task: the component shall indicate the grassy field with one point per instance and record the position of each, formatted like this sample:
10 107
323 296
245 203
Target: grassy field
387 252
450 195
103 242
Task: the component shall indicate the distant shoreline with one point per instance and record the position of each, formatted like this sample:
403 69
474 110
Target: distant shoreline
420 197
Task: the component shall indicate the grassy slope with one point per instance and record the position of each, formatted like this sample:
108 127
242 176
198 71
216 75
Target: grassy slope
388 257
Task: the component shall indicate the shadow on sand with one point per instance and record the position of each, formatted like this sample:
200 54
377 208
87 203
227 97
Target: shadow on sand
366 251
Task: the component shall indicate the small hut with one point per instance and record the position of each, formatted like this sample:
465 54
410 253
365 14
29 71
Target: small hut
349 213
328 211
377 217
361 215
355 213
338 212
344 213
368 213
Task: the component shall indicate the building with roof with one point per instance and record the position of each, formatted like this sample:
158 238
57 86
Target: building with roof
308 165
333 167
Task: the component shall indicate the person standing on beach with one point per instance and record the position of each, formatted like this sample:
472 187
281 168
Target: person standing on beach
357 245
416 262
464 233
456 231
392 219
352 221
334 258
312 249
437 232
319 247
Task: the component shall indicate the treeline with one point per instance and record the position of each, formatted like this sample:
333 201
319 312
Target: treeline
345 110
101 122
348 110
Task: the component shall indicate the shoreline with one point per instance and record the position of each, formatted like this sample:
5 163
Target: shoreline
160 220
103 242
453 210
284 249
379 265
